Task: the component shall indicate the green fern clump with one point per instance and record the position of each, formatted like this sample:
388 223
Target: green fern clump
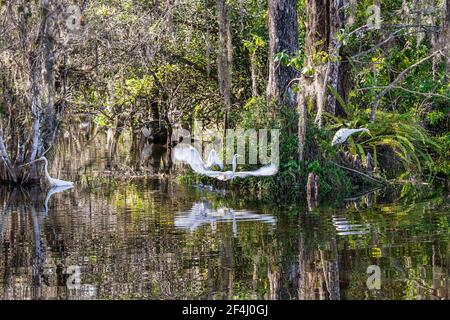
408 139
443 161
397 142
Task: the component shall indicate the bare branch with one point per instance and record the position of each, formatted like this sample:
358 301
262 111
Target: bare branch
397 80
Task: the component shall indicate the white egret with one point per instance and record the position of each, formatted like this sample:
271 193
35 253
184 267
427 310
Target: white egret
268 170
342 135
187 153
53 182
191 156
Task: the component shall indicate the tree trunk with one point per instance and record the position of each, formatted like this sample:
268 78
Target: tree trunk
313 79
224 56
336 19
49 78
254 74
5 158
283 37
444 38
36 115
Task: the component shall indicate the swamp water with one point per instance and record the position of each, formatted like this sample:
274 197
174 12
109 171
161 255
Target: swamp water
110 238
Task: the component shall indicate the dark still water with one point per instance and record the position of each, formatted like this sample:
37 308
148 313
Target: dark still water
151 239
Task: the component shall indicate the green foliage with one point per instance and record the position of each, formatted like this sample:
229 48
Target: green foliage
402 134
253 45
282 58
435 117
290 181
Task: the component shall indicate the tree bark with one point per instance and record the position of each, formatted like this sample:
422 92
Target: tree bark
444 38
5 157
312 82
337 20
254 74
224 56
35 114
283 37
49 58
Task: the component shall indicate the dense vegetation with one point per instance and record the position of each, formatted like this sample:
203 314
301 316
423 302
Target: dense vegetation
307 67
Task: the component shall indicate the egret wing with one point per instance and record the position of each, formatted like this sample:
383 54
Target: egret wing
187 154
268 170
213 159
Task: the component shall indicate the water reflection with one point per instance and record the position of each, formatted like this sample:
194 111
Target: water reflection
51 192
157 239
345 227
22 238
202 213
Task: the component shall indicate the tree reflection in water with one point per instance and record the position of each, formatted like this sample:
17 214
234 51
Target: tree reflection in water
144 239
130 241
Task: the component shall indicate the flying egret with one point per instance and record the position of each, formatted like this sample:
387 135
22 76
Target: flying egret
51 181
265 171
342 135
187 153
191 156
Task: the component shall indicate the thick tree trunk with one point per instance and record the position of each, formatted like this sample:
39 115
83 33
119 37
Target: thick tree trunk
283 37
5 158
318 12
336 19
312 82
224 56
36 116
49 79
36 53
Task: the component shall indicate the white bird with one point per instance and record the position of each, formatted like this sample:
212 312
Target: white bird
342 135
265 171
187 153
191 156
53 182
